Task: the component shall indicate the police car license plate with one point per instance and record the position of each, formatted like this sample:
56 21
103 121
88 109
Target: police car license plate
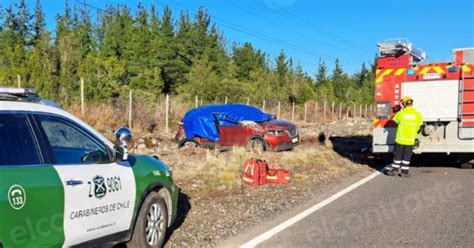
294 140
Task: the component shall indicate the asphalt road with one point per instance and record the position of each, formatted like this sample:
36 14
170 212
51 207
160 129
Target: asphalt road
432 208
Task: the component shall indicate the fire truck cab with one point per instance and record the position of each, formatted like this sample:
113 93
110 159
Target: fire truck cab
443 93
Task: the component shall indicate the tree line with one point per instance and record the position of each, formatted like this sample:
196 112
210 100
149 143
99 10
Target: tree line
155 52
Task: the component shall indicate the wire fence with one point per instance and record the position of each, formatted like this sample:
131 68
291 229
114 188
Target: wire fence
167 112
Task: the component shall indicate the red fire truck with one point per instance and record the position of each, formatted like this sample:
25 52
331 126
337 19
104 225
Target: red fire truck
443 93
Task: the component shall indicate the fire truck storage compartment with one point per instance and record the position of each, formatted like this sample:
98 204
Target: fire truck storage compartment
435 100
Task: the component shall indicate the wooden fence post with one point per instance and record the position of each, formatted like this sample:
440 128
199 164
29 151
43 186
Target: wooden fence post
248 101
19 80
365 113
305 112
293 111
167 116
340 111
347 113
278 110
354 112
130 109
225 100
324 110
196 100
332 111
263 105
316 112
360 111
82 97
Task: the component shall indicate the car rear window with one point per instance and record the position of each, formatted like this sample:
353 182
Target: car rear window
17 146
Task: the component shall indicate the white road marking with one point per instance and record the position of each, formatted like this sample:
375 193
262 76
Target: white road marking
272 232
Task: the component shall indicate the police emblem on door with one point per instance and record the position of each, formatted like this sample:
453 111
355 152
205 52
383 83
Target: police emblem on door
17 197
100 188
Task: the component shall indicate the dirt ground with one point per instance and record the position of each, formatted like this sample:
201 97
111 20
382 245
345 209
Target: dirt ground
214 205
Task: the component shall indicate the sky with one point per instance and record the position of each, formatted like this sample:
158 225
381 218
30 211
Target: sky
309 30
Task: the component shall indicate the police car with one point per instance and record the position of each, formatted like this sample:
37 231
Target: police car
63 184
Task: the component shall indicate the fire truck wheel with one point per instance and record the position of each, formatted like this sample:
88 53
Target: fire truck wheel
385 159
466 165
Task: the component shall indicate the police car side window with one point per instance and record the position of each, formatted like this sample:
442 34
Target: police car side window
70 144
17 143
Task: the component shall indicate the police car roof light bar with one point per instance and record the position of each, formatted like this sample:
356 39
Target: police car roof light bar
25 92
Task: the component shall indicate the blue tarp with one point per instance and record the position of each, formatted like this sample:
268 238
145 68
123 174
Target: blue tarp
201 121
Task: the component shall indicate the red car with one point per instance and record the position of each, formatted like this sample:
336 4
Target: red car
266 135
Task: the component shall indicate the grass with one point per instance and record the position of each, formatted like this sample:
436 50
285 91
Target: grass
209 173
205 173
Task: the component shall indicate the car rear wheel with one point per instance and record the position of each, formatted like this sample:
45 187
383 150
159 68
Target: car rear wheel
152 223
188 143
257 145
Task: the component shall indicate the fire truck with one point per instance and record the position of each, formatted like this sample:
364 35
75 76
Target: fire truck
443 93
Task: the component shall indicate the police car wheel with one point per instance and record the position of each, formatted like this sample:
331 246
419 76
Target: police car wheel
152 223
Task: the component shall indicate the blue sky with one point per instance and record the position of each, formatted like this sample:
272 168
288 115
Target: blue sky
310 29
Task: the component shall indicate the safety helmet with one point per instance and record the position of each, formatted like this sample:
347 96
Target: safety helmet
406 99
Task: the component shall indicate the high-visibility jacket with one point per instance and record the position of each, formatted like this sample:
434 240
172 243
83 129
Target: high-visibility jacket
409 121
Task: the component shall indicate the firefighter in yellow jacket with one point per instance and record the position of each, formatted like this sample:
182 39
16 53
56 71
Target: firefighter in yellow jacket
409 122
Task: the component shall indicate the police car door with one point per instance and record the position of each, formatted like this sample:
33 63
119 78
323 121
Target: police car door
31 194
99 193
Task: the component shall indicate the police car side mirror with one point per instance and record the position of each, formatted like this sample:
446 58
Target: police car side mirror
123 136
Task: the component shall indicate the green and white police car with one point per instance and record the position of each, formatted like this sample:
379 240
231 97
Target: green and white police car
62 184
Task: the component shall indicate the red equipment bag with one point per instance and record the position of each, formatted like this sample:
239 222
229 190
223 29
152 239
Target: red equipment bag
278 176
255 172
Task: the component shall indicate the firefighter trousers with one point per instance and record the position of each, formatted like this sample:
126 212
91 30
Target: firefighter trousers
401 157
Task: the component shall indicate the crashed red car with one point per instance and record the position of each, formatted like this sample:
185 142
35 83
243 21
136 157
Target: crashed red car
226 126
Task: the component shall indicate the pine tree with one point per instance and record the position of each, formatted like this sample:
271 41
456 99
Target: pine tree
282 69
247 59
39 23
341 83
13 45
321 74
301 86
173 65
23 23
142 59
202 81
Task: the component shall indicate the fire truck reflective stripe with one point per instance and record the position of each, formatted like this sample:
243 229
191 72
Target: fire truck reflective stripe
377 71
399 71
385 73
466 68
438 69
425 70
